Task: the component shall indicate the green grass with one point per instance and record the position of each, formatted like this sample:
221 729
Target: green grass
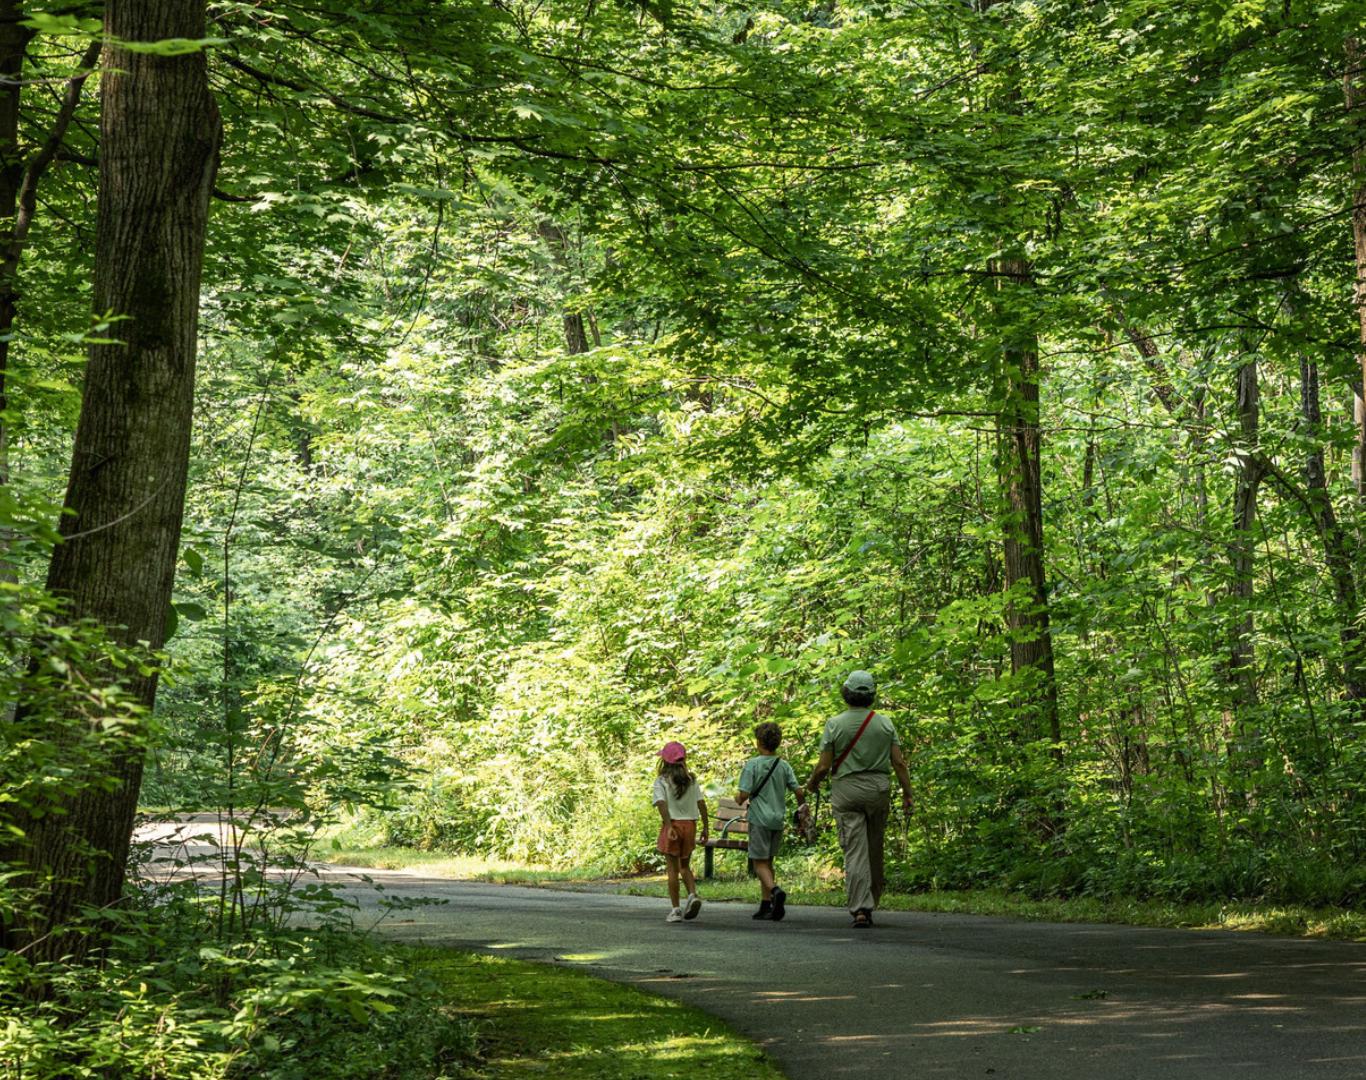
810 883
538 1020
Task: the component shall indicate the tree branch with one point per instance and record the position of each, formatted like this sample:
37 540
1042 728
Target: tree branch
37 165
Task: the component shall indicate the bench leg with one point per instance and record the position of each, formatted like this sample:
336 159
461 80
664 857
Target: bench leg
708 865
751 868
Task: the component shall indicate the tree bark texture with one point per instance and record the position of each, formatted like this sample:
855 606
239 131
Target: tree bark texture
159 135
1019 451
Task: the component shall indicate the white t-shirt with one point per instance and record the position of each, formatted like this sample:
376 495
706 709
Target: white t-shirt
684 809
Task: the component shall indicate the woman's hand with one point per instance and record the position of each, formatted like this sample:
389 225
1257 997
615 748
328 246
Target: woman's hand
673 833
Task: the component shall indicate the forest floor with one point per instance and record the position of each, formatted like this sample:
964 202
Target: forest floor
817 885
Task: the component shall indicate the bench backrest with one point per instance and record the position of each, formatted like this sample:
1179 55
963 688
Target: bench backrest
730 817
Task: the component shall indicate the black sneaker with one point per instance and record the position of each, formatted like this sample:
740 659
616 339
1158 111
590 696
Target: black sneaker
765 910
779 904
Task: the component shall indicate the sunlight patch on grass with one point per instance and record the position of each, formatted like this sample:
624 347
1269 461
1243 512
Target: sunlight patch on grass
540 1020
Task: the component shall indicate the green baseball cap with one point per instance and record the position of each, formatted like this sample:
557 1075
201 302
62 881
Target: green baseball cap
860 680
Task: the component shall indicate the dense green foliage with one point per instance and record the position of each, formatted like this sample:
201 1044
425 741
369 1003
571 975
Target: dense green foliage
574 378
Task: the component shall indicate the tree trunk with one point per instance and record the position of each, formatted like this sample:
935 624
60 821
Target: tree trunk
159 133
1018 441
1336 553
1356 101
14 40
1241 670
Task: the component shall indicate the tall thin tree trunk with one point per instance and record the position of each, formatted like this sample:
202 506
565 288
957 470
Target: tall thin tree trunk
159 134
1031 638
1241 668
14 40
1356 103
1336 553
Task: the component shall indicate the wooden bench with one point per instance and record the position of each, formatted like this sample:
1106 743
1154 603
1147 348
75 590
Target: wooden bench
729 830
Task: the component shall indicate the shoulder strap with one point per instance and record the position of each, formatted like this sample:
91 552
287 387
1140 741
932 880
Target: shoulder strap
853 742
771 769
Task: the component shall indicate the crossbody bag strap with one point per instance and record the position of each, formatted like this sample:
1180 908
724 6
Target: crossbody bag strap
846 751
771 770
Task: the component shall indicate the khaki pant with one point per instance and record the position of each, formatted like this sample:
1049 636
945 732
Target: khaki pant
861 806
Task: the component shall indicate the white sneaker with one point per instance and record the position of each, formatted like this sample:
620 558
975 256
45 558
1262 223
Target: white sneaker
675 915
694 905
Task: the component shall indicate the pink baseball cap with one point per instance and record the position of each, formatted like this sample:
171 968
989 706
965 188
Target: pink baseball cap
673 752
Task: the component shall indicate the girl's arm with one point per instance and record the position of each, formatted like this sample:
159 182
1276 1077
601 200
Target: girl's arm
706 824
667 821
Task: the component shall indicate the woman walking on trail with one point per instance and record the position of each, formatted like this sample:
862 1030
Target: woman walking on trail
856 749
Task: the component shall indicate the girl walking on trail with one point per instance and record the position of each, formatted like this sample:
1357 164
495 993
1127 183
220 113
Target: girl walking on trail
679 801
857 747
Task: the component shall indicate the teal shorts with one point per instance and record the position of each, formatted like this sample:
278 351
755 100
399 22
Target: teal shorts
764 843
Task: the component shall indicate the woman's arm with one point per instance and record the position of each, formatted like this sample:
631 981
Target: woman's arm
903 776
822 767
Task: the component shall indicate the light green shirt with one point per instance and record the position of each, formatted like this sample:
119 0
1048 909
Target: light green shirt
873 752
768 809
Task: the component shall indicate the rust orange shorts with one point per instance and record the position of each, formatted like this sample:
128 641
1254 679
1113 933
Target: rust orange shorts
683 846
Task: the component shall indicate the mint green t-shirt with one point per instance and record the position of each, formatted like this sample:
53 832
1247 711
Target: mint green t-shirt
872 753
769 808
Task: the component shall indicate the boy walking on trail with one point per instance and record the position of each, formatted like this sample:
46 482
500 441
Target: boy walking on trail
764 783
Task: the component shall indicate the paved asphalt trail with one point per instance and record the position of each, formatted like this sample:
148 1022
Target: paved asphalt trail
938 996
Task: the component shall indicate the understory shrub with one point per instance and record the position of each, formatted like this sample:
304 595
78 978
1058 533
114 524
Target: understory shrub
294 1004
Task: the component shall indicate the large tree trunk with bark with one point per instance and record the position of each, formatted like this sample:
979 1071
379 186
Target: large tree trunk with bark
159 133
1031 638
